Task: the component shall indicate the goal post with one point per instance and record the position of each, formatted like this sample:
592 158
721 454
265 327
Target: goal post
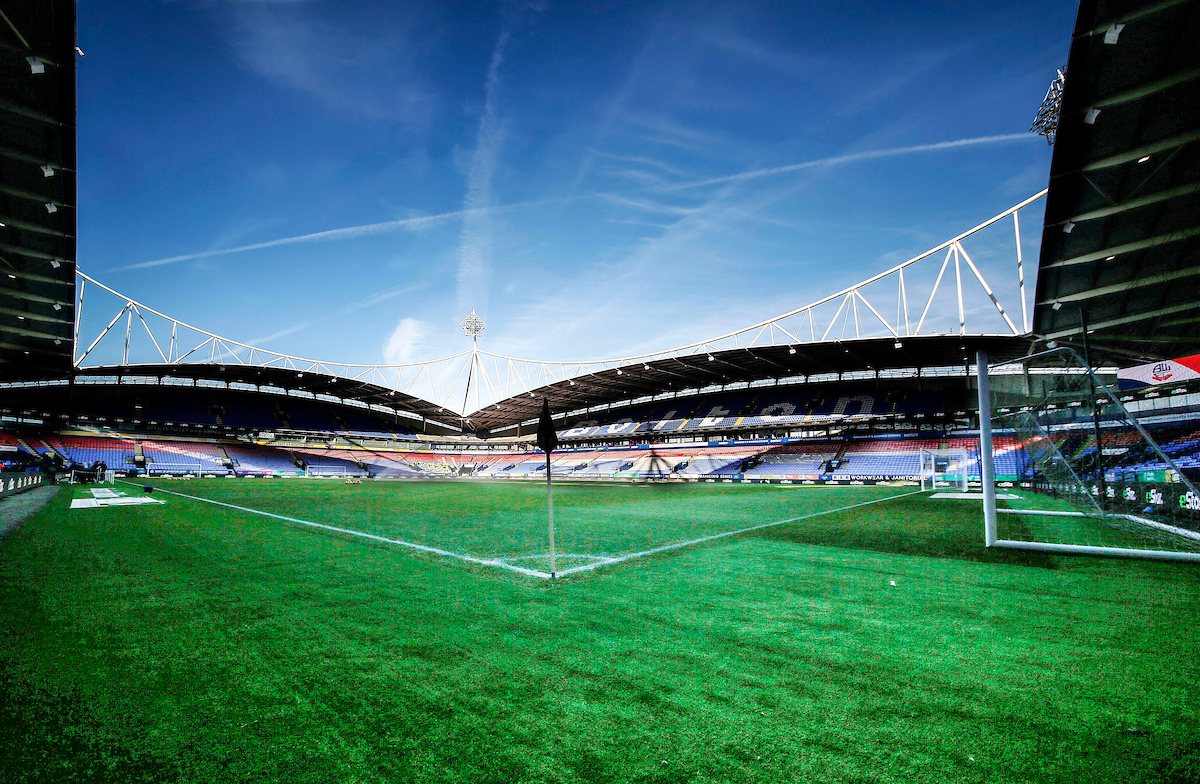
1065 467
944 469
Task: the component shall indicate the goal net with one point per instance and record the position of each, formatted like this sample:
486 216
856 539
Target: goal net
944 469
1070 469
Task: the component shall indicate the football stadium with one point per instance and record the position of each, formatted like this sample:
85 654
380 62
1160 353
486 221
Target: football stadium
941 524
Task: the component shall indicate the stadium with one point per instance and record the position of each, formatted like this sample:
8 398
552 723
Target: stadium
941 524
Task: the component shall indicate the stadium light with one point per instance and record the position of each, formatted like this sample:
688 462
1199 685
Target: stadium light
1070 227
38 67
619 373
791 349
897 344
1056 306
1143 159
1089 117
47 170
710 357
645 367
57 306
51 207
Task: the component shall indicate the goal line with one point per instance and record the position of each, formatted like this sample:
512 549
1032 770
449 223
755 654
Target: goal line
502 562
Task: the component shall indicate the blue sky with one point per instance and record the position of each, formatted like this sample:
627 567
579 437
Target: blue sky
346 180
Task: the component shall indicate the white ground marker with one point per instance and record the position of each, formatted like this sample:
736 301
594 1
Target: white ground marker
501 564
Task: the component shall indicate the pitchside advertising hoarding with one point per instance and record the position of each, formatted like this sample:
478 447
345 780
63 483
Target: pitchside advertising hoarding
1167 371
16 482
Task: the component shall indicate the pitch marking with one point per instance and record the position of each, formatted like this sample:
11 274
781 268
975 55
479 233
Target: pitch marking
533 572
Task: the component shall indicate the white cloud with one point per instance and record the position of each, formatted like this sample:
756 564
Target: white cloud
406 339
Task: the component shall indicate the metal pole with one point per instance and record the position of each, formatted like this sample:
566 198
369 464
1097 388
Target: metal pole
986 462
550 510
1087 359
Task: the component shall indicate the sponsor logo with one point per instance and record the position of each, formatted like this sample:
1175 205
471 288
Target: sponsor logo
1161 371
1112 492
1154 496
1130 494
1189 501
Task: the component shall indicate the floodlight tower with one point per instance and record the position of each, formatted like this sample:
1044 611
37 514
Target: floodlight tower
473 326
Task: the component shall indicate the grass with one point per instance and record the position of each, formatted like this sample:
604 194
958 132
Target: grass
195 643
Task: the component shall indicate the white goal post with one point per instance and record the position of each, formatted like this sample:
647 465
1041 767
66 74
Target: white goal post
944 468
1075 459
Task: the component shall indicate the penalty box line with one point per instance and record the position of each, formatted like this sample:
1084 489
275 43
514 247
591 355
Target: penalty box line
400 542
701 540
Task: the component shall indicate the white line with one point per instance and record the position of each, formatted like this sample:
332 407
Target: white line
421 547
1184 532
677 545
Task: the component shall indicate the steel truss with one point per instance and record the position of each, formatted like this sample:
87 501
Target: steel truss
471 380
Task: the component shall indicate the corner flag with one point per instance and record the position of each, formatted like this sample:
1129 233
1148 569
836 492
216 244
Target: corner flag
547 441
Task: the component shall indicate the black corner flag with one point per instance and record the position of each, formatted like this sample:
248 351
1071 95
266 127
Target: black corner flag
547 439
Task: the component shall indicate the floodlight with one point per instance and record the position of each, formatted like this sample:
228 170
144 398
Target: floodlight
1 225
1109 258
55 263
710 357
51 207
791 349
572 383
14 277
47 170
1052 344
57 306
1143 159
1113 33
1089 117
57 342
21 317
1056 305
619 373
1070 227
38 67
645 367
897 344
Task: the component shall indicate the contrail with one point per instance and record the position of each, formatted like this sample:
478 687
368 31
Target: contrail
349 232
414 224
850 158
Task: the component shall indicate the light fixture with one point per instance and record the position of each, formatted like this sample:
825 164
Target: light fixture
1089 117
57 342
619 373
1143 159
710 357
572 383
1 225
645 367
51 208
791 349
38 67
14 277
55 263
1109 258
57 306
897 344
1070 227
21 317
81 54
1113 33
1057 305
1052 344
47 170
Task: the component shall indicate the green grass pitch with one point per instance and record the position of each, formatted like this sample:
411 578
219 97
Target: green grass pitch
193 642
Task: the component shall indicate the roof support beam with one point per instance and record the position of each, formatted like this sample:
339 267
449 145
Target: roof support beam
1150 242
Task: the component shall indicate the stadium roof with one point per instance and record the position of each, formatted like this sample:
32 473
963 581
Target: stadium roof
289 379
663 376
1122 228
37 188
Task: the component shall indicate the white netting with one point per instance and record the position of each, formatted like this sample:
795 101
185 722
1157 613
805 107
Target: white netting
1073 468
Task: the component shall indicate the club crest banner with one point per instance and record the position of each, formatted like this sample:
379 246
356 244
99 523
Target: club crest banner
1167 371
